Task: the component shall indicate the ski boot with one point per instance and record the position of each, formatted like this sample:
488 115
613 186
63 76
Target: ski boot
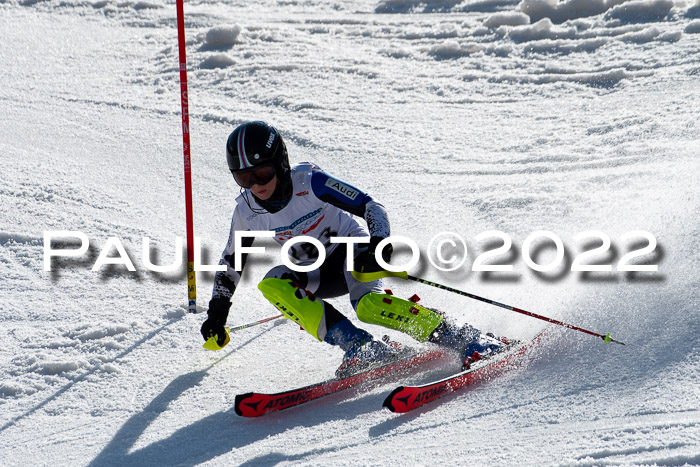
362 351
363 356
470 344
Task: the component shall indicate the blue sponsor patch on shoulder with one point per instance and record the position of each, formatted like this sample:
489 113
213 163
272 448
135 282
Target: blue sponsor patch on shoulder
345 190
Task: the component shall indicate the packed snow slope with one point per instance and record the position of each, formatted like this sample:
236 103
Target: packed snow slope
466 117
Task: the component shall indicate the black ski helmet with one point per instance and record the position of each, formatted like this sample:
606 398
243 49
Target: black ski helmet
253 144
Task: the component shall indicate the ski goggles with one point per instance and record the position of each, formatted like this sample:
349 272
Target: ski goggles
255 176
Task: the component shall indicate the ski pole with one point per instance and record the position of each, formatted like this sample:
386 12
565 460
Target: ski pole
211 343
368 277
254 323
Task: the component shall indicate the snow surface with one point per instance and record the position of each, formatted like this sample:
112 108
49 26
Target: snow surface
459 116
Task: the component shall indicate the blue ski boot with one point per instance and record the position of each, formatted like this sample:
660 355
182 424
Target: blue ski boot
362 351
470 344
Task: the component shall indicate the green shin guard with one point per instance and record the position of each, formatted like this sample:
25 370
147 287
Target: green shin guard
399 314
295 304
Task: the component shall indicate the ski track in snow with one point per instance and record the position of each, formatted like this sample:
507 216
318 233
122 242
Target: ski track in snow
473 115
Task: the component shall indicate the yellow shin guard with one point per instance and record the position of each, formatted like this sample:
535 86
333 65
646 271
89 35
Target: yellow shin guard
296 305
399 314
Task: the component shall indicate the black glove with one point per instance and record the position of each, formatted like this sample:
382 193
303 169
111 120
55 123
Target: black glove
366 260
214 325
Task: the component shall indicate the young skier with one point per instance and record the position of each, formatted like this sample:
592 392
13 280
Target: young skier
304 200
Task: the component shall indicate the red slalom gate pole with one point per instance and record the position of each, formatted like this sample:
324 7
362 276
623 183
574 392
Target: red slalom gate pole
191 276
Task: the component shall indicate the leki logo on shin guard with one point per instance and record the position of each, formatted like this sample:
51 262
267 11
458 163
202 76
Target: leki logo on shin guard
396 316
285 311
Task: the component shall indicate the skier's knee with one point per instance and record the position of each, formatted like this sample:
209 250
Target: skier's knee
283 272
296 304
399 314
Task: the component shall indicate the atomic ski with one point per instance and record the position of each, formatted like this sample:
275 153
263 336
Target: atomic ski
406 398
255 404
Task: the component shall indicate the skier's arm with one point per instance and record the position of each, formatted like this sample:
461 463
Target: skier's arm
348 198
225 283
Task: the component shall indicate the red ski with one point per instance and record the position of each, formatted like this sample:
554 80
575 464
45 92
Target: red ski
255 404
406 398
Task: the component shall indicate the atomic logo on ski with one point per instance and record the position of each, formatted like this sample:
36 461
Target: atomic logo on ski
256 404
286 400
430 394
403 400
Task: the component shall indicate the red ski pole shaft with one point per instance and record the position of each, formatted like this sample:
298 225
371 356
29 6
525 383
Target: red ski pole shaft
606 338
